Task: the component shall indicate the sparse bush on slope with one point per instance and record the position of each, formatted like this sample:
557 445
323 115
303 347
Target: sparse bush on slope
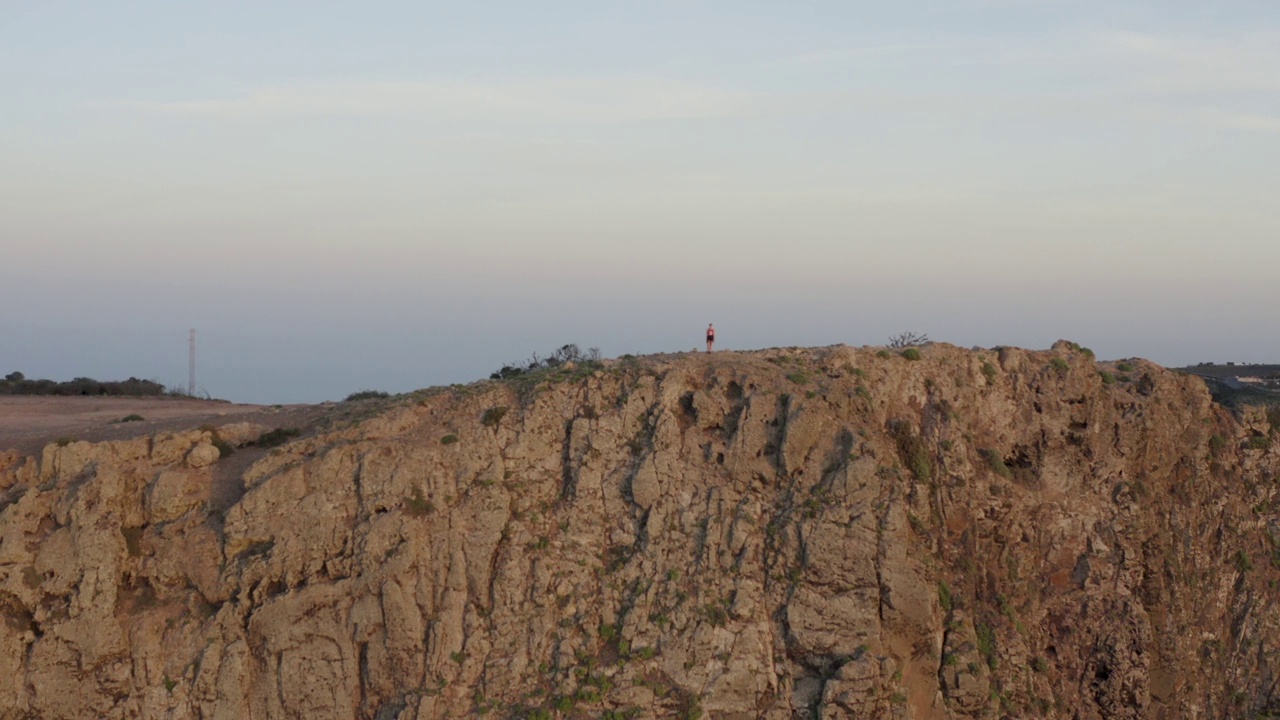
565 354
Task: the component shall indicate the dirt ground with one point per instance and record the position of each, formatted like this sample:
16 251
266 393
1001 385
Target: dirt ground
28 423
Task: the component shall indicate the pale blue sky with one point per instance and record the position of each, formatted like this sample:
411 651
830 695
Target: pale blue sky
395 195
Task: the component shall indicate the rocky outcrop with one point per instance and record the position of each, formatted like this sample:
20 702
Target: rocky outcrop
821 533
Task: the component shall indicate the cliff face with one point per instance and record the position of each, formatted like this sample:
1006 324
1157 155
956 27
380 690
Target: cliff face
792 533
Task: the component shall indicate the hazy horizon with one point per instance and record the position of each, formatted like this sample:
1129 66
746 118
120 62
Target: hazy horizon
405 195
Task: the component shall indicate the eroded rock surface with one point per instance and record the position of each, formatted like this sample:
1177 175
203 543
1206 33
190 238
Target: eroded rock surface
824 533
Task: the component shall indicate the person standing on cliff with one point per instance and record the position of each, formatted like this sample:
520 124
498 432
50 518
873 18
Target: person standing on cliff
711 336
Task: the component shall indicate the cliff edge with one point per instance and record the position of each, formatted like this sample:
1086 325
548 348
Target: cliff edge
791 533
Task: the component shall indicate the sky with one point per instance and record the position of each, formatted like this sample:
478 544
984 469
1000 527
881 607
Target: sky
394 195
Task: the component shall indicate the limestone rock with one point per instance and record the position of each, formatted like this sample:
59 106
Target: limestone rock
241 434
170 448
174 492
826 533
203 455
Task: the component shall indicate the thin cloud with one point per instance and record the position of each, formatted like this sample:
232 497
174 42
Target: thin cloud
583 100
1245 121
837 55
1172 63
1223 81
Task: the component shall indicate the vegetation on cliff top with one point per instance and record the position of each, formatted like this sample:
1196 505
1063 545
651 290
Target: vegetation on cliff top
16 383
560 357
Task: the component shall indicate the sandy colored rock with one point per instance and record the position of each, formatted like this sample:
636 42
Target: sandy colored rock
783 534
203 455
174 492
170 448
240 434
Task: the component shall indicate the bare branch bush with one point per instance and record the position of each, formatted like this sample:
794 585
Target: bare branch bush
907 339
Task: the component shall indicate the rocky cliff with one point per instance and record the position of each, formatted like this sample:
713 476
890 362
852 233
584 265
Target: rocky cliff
819 533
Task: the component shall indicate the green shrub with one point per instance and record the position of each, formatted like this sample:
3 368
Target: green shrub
1059 366
911 354
884 354
493 416
1124 367
944 596
449 439
587 696
1242 562
1107 378
912 449
989 372
996 462
1038 664
1216 443
64 441
366 395
417 506
987 643
1258 442
715 614
690 707
133 417
798 377
1081 349
279 436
